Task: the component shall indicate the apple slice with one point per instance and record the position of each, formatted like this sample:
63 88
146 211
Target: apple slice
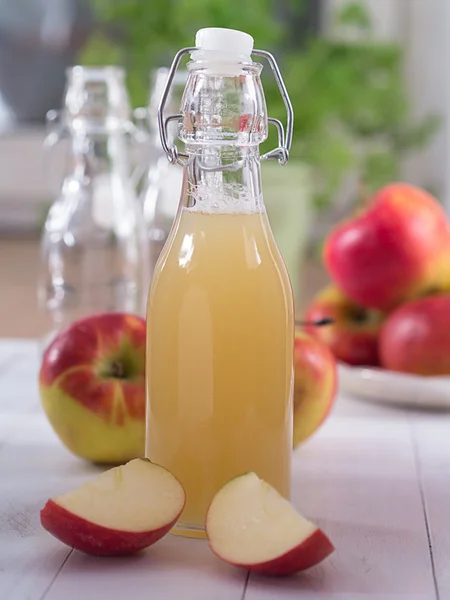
250 525
123 510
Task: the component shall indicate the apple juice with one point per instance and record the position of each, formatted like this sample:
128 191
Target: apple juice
220 314
220 356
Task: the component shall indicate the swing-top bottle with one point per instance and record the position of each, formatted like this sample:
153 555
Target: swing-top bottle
220 322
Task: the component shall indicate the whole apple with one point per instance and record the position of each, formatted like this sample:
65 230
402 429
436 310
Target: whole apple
416 337
315 385
393 251
353 335
92 387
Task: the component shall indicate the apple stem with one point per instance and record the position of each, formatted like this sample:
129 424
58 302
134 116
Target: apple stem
318 323
117 370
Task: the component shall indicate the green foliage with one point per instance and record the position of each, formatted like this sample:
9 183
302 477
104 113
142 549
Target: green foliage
147 33
352 112
354 14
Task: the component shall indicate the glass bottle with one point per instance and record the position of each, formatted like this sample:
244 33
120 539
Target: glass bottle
161 188
93 247
220 316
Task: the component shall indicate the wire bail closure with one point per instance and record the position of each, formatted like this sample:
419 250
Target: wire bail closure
284 141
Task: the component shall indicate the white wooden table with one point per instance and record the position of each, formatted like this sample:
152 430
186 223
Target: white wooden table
376 479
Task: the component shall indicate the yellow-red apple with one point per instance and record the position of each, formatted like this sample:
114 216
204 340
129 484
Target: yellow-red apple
122 511
315 385
353 335
416 337
250 525
92 387
392 251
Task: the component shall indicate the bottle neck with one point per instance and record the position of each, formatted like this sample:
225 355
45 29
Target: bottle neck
223 179
99 154
224 120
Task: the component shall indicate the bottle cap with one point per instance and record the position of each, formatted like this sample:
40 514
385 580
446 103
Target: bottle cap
229 42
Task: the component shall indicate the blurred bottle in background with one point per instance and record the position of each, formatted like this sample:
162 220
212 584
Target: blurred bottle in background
161 188
94 251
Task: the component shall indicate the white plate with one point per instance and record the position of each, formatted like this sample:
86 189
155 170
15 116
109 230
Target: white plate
395 388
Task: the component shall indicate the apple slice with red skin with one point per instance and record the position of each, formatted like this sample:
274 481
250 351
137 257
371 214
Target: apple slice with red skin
250 525
122 511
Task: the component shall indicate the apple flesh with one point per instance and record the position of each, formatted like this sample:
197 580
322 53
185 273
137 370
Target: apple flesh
416 337
122 511
392 251
315 385
92 387
250 525
353 335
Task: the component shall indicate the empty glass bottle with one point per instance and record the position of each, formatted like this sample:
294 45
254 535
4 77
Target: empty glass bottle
94 254
162 183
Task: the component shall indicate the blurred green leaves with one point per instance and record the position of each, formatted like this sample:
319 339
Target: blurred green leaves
354 14
352 111
145 34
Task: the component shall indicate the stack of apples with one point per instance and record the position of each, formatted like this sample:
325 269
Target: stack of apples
390 293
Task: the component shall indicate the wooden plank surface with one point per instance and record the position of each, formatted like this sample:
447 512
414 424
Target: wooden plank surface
39 469
357 478
174 568
376 479
28 559
431 436
33 467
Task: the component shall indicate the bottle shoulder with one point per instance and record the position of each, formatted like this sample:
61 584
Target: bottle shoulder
215 248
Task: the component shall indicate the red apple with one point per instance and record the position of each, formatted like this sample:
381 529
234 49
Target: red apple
122 511
392 251
92 387
250 525
416 337
315 385
353 335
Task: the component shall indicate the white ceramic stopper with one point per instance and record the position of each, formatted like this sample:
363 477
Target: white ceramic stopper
228 42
